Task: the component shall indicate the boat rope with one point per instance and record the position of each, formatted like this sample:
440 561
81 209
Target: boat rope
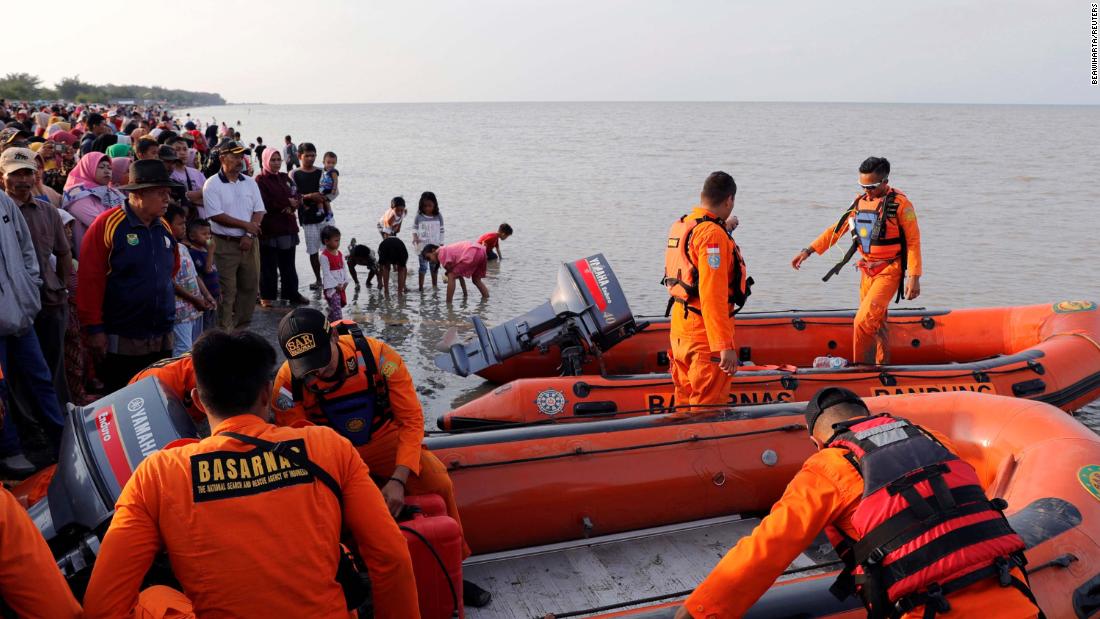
580 451
668 596
1079 334
507 425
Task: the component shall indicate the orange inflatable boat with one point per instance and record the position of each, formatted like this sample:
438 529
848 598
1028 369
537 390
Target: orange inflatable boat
1049 353
633 512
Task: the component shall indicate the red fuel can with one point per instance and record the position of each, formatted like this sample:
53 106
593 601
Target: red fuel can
438 581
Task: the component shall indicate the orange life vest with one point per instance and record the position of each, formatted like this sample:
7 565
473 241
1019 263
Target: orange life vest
876 234
682 275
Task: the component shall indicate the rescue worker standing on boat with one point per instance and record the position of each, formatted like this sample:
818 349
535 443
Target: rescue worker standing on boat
925 541
359 386
706 279
884 230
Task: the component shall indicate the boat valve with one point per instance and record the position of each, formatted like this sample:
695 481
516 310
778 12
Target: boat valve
769 457
586 522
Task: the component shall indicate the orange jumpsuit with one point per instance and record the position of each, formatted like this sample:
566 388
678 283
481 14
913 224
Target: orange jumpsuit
398 442
877 289
827 490
698 337
250 534
177 376
30 582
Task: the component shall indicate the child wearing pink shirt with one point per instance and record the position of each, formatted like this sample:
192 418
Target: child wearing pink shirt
459 261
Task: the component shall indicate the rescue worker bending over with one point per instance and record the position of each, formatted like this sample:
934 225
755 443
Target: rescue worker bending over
251 530
707 283
975 574
30 583
359 386
884 230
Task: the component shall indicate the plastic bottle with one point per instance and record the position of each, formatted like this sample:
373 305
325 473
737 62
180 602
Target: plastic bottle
830 362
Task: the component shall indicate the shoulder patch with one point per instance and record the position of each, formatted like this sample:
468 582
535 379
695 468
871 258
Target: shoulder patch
233 474
714 255
909 214
388 368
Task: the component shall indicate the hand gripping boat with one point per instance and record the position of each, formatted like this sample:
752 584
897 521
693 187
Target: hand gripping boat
1047 352
623 517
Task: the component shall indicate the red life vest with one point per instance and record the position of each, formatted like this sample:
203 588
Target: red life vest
682 275
925 527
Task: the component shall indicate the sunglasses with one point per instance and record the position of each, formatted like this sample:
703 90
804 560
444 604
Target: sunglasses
873 185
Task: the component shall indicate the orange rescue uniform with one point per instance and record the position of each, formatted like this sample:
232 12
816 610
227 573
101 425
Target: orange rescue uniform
827 490
398 442
880 274
30 582
249 534
177 376
697 337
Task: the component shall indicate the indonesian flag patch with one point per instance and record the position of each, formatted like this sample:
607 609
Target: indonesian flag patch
714 256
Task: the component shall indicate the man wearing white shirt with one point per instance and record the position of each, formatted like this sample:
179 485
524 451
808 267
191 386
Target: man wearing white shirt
234 208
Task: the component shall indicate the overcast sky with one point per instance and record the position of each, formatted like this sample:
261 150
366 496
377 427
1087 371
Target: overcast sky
277 51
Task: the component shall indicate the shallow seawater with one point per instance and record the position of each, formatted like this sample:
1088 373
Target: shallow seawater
1005 197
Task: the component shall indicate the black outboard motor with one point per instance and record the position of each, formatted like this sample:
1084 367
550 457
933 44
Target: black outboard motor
586 312
101 445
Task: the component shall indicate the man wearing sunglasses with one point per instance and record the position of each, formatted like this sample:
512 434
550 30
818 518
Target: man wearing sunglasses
884 231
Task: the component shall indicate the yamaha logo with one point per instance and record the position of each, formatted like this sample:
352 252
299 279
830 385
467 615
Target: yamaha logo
135 405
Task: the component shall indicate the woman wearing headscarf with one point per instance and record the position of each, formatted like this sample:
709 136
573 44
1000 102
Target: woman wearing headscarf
120 171
88 192
118 151
278 232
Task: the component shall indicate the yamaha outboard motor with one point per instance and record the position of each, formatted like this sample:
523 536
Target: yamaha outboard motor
587 312
101 445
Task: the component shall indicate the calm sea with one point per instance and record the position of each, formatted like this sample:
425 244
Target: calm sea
1007 197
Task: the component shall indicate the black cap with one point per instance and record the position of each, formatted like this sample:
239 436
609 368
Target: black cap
824 398
167 153
304 337
231 146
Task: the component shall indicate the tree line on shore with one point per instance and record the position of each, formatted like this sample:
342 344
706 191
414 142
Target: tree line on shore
28 87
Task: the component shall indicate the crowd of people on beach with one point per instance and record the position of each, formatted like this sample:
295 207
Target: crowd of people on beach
129 231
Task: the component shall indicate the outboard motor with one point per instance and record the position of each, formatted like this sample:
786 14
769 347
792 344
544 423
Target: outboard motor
587 312
101 445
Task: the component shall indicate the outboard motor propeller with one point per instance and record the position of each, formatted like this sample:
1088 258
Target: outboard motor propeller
101 445
587 312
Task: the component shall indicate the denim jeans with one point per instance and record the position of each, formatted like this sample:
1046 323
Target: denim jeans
22 361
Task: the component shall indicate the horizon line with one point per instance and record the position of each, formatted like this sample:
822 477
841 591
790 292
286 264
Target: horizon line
595 101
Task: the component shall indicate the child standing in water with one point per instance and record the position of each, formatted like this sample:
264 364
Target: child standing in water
427 230
491 241
330 183
390 224
459 261
334 273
